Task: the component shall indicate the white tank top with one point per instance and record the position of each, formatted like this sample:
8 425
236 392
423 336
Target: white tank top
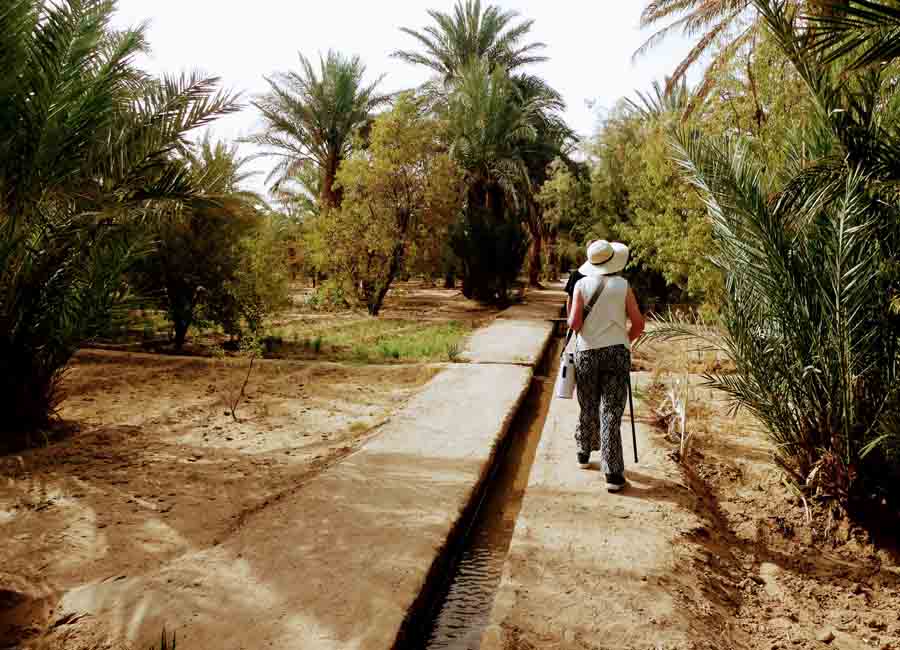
605 325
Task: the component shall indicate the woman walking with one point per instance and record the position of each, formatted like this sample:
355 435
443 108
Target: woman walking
603 356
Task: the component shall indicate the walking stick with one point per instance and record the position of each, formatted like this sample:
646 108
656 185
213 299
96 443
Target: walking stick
631 406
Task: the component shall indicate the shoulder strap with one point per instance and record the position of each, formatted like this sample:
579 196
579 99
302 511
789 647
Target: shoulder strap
590 305
587 309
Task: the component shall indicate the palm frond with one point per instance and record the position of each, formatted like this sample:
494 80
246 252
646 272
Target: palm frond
864 31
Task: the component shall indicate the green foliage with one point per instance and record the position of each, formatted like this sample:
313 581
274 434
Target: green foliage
240 298
503 125
261 286
565 201
453 352
758 95
867 32
504 132
331 295
490 126
60 282
721 29
85 150
400 196
215 256
564 196
640 197
435 342
808 254
667 229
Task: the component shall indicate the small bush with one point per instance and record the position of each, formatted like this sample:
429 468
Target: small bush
331 295
389 351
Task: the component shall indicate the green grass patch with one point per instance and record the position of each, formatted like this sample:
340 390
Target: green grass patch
375 340
356 338
437 342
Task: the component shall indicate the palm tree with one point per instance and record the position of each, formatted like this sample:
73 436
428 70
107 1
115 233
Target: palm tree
298 196
491 128
219 170
505 124
311 117
472 32
554 141
706 22
501 129
86 151
808 255
703 20
867 31
662 102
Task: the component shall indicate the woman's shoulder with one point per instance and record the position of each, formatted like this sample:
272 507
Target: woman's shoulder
594 280
583 282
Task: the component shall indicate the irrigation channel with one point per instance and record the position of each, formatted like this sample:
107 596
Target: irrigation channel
460 605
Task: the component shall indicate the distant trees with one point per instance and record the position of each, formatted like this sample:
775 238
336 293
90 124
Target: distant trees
504 129
201 261
400 196
565 199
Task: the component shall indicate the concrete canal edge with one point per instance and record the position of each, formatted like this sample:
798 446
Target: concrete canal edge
348 560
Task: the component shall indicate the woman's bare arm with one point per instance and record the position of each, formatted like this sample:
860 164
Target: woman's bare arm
635 316
576 313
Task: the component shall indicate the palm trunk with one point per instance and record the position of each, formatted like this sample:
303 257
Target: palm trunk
331 197
553 257
536 261
181 309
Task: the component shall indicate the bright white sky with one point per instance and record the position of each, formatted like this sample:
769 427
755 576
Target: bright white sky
589 42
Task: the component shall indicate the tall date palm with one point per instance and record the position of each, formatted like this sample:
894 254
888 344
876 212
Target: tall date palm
808 252
471 33
865 30
311 116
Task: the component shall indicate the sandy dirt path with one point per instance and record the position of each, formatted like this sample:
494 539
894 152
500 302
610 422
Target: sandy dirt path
589 569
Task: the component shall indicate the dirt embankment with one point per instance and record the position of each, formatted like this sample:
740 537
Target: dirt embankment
773 574
159 467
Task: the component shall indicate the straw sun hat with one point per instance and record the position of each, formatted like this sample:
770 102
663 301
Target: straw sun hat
605 258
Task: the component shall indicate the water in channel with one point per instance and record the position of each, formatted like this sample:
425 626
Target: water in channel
465 610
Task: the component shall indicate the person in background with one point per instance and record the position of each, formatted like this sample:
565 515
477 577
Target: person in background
574 277
603 356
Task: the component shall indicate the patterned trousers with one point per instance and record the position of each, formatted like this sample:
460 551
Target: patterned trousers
601 378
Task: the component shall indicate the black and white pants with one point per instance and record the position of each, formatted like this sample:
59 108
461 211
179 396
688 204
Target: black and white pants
601 380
